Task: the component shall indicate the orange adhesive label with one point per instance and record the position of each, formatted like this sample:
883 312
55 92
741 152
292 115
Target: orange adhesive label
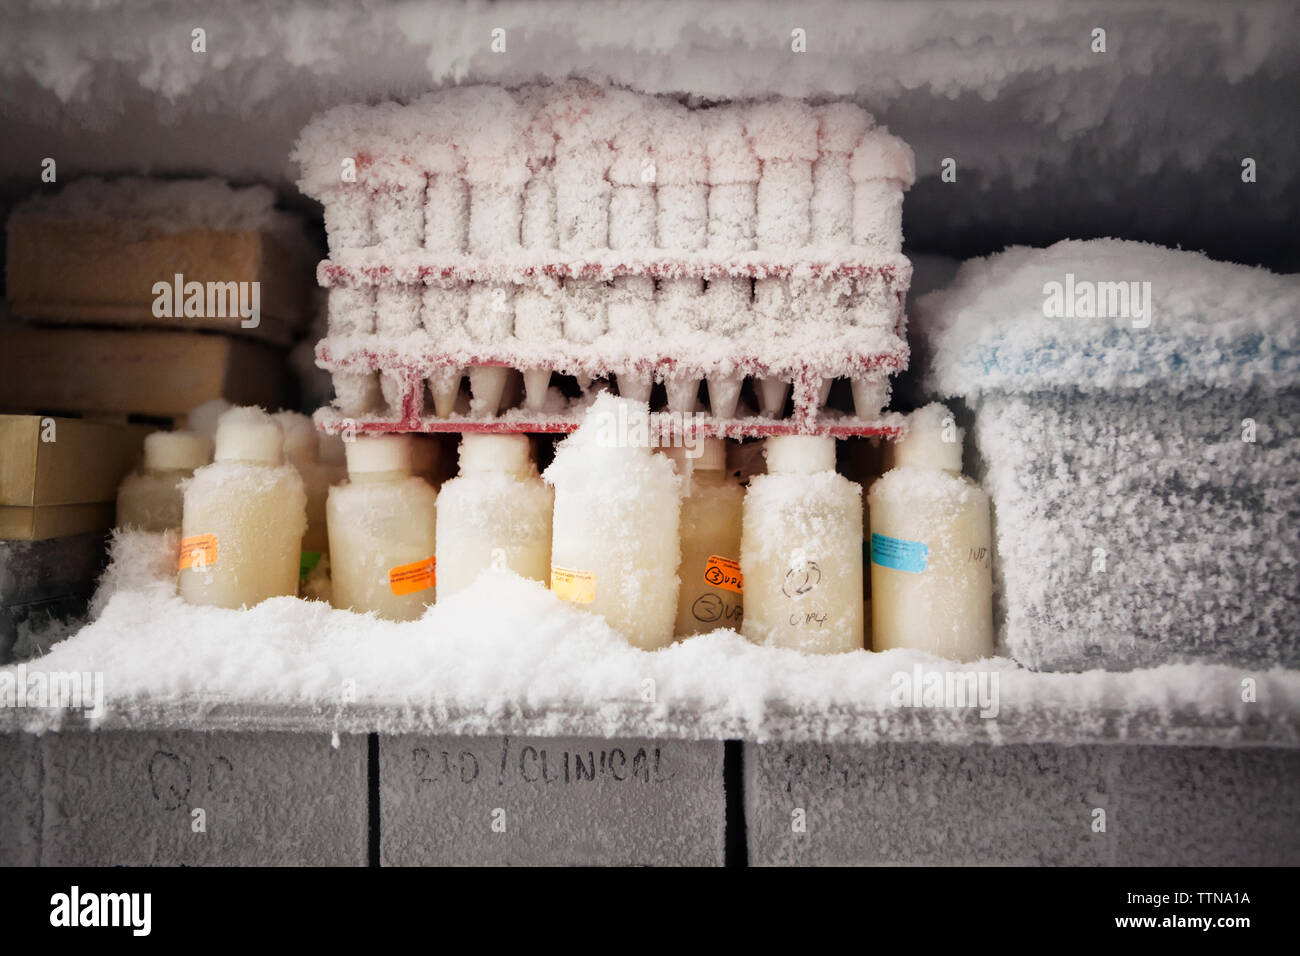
198 551
724 573
409 578
576 586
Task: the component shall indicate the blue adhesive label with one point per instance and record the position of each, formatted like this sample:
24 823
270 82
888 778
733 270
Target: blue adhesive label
898 553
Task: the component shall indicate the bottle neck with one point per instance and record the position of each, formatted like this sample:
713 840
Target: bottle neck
377 477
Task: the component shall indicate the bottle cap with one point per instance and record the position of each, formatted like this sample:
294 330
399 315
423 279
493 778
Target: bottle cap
378 453
932 440
710 455
300 443
508 453
176 451
799 454
249 434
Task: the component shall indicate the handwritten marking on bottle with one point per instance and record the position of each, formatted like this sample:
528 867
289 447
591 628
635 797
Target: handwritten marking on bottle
801 579
410 578
578 587
198 551
710 608
724 573
809 618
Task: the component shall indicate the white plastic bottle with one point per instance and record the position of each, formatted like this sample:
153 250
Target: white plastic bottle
150 499
931 547
245 515
711 583
302 450
382 523
801 550
496 513
614 550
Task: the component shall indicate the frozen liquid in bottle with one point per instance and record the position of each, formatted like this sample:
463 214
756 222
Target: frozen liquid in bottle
614 548
931 547
496 513
801 550
711 584
302 450
244 517
150 499
382 523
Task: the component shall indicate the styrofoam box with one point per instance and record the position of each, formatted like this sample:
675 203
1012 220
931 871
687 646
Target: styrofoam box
137 798
20 800
1146 530
556 801
814 804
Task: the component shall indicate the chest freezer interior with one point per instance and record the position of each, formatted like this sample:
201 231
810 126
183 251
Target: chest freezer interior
870 374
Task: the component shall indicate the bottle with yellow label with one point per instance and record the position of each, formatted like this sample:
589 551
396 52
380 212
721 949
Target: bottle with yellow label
496 513
150 499
801 550
931 546
614 548
382 522
244 517
711 583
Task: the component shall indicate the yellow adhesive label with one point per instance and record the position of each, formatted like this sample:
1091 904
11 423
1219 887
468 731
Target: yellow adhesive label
576 586
198 551
724 573
409 578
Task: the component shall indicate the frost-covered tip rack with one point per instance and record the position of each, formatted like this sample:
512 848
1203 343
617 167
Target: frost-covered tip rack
752 249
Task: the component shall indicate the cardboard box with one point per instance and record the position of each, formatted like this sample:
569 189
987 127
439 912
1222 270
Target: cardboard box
105 272
55 521
474 801
64 461
160 374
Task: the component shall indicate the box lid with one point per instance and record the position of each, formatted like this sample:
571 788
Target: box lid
1104 314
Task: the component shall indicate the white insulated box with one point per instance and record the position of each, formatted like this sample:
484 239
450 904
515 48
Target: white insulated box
552 801
1044 804
114 798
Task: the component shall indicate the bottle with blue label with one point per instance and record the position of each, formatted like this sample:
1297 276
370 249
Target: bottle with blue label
931 546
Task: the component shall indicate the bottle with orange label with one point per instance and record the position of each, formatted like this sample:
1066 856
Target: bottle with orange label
496 513
801 550
381 530
244 517
711 582
150 499
614 547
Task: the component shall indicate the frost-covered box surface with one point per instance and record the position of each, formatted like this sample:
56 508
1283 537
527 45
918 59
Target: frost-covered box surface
1136 411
